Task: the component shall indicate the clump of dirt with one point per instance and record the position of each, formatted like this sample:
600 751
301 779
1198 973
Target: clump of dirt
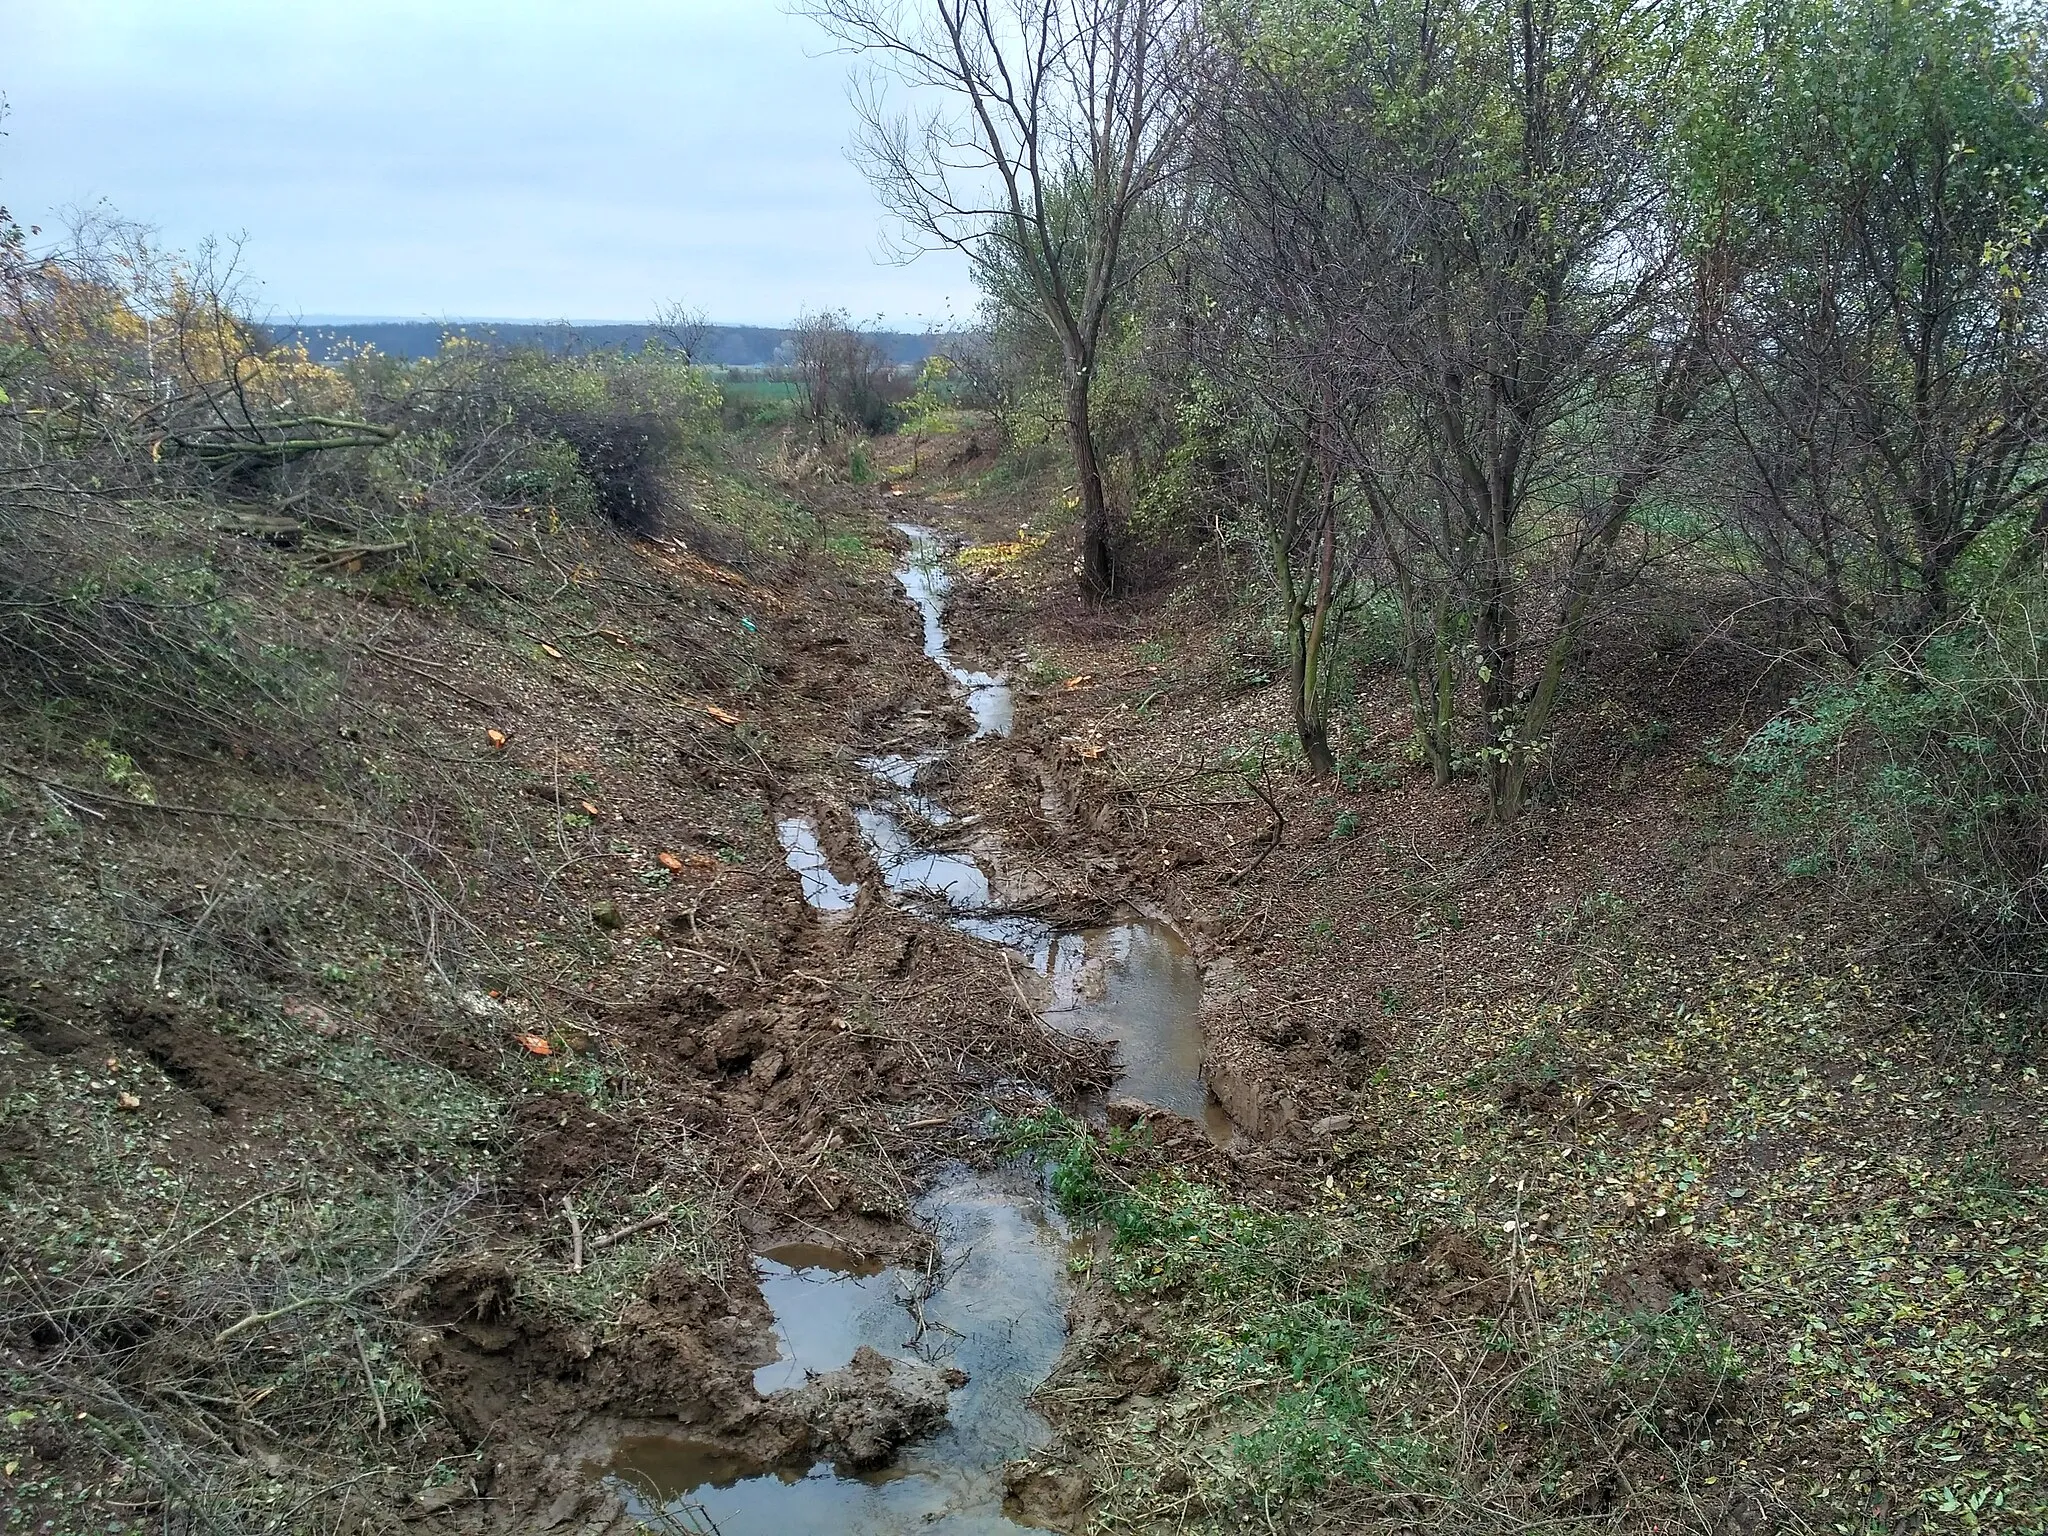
195 1057
1443 1273
1650 1282
864 1413
45 1024
564 1142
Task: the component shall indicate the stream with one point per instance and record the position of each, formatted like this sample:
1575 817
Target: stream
995 1305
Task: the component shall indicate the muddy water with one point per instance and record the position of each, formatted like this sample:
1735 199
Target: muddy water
994 1304
1138 985
992 1308
927 584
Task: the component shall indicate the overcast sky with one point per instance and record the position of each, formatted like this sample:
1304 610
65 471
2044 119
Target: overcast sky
514 159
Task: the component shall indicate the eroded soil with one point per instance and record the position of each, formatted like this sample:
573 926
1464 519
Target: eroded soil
1543 1175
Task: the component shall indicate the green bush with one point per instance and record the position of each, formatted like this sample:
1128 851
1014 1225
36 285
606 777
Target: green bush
600 433
1928 767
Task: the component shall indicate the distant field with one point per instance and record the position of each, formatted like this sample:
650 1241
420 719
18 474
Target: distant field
740 386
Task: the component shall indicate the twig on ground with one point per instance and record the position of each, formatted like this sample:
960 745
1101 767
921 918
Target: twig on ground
575 1236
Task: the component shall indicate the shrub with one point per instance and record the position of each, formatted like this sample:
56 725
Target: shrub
845 378
571 433
1930 767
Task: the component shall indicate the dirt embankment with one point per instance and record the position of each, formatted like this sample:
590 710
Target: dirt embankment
393 1099
397 1093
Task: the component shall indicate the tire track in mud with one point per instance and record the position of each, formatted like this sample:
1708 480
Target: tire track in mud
943 1360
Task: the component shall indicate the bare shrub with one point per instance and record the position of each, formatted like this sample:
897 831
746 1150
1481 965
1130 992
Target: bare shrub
846 379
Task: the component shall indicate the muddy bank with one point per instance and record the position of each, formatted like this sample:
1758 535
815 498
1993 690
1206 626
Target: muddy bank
985 1317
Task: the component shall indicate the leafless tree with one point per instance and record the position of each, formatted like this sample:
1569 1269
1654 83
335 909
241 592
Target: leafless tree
1051 122
846 378
684 328
1890 384
1501 330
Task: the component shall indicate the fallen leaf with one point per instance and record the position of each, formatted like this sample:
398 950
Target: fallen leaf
614 636
128 1101
497 739
1082 681
551 650
722 716
669 862
590 809
1088 751
537 1044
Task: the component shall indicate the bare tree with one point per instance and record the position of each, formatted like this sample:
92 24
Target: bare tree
1458 225
1053 124
846 378
686 329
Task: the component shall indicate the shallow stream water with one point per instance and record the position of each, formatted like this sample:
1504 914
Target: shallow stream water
994 1310
995 1305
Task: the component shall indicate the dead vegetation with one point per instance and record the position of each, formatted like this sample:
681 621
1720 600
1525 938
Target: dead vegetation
408 1019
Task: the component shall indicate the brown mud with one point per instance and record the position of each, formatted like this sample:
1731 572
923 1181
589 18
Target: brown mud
803 889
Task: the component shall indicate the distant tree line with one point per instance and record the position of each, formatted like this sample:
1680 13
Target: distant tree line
725 346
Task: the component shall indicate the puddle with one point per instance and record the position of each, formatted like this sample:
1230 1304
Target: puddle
900 774
1031 937
1136 983
910 869
996 1310
827 1304
805 856
894 768
927 584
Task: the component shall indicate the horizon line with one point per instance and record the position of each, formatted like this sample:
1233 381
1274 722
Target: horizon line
900 329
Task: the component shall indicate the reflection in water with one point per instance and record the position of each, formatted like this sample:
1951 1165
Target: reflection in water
912 870
805 856
996 1311
1031 937
900 773
827 1303
1139 985
926 584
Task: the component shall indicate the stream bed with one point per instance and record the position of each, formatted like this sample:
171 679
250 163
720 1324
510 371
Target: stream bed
995 1309
994 1305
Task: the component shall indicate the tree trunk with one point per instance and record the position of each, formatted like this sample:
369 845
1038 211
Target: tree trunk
1097 564
1494 632
1315 747
1440 732
1313 698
